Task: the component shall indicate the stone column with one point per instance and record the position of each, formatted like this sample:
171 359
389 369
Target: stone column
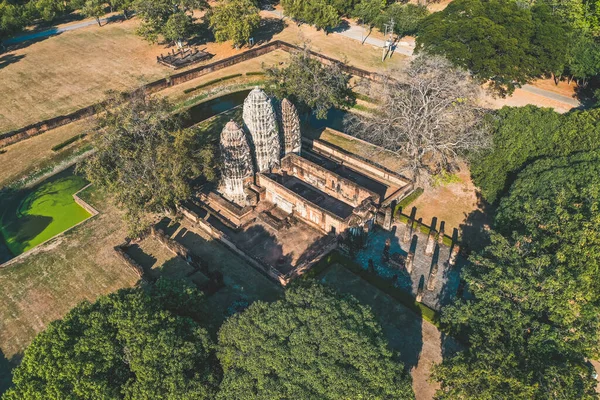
387 222
410 259
432 278
430 243
441 234
408 231
419 294
453 255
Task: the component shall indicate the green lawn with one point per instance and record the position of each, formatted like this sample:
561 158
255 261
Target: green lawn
35 215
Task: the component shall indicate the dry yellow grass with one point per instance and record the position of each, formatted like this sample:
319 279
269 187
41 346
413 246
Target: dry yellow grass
24 157
80 265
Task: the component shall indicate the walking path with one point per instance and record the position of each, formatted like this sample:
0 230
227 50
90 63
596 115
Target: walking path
56 31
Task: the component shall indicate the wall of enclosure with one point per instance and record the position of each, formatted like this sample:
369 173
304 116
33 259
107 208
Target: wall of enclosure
173 80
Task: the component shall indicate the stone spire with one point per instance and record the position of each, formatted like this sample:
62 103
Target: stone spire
236 162
290 124
259 118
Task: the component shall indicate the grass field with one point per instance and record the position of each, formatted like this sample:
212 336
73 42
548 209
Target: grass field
32 216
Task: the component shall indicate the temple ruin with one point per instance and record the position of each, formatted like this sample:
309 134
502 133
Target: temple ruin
284 201
261 122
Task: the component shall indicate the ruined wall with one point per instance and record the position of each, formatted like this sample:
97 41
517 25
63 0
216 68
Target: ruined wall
325 180
307 211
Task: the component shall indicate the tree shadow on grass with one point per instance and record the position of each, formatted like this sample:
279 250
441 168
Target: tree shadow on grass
6 368
8 59
269 27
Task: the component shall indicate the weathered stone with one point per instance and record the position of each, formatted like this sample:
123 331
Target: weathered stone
441 236
408 231
236 163
259 117
410 259
290 125
387 222
430 243
454 255
420 291
432 277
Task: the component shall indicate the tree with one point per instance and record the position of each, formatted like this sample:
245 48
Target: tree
533 317
407 18
320 13
428 115
312 344
499 41
93 9
523 134
177 28
125 345
11 19
145 159
122 5
312 85
155 15
234 20
369 12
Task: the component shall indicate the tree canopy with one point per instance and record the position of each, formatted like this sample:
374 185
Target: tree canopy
312 344
234 20
125 345
320 13
534 316
312 85
523 134
160 18
499 41
428 115
144 157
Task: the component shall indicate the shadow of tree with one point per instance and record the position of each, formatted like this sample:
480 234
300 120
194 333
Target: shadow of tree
269 27
8 59
6 368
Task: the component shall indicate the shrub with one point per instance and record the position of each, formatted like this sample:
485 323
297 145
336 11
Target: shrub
212 82
255 73
68 142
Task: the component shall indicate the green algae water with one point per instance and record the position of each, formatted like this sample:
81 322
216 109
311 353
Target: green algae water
29 217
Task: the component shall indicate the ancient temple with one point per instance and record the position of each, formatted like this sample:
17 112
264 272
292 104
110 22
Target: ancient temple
261 122
236 162
290 126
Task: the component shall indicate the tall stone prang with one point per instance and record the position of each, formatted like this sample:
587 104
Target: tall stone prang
236 162
290 125
259 118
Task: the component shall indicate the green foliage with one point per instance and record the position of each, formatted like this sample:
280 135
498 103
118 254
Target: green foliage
158 18
320 13
177 28
312 85
534 316
405 202
93 9
144 159
444 178
234 20
67 142
11 19
255 73
523 134
369 12
312 344
498 41
407 18
124 345
212 82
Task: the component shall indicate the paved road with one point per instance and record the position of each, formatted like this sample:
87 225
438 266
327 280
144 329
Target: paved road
551 95
56 31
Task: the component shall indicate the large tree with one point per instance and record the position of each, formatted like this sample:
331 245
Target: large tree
320 13
314 344
407 18
534 315
156 14
125 345
311 84
428 115
234 20
144 158
523 134
499 41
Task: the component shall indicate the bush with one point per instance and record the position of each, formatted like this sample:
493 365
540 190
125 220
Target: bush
255 73
205 84
68 142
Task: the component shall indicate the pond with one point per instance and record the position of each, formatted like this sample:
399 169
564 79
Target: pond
32 216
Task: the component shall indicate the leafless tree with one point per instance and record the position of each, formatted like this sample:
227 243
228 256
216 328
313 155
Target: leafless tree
428 114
